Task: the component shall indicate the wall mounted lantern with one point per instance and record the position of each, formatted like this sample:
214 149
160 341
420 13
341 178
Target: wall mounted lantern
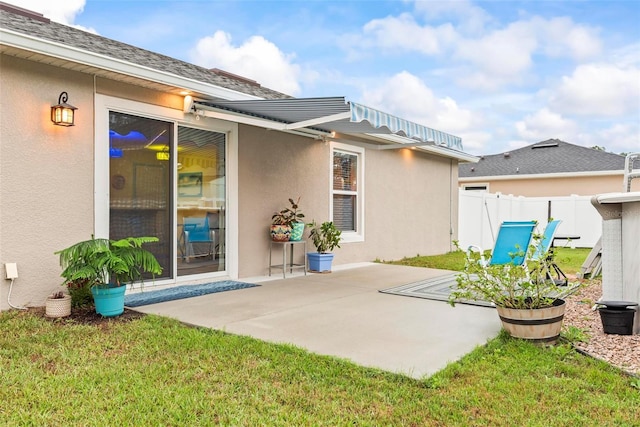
63 114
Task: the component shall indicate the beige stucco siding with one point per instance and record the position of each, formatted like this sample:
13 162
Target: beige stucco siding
558 186
46 175
407 197
47 182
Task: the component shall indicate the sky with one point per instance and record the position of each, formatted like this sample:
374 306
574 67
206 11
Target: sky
499 74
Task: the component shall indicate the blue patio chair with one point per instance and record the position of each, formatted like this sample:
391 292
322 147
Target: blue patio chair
547 239
197 231
545 248
512 243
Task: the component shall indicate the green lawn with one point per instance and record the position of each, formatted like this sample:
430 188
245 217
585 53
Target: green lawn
156 371
569 260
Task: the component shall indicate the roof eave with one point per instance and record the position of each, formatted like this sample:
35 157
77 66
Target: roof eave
72 54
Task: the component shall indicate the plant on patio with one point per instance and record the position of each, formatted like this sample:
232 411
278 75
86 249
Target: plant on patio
284 224
325 237
523 294
58 304
106 266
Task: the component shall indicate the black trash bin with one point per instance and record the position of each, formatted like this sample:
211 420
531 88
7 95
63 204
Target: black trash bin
617 316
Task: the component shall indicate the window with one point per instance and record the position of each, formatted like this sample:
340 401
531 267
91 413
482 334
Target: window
347 165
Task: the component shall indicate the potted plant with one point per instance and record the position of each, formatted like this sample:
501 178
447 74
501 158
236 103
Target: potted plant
280 227
107 266
58 304
296 220
325 238
522 293
288 224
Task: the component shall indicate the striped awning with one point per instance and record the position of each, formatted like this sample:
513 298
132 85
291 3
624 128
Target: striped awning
332 114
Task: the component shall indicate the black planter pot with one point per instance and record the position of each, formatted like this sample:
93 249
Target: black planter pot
617 317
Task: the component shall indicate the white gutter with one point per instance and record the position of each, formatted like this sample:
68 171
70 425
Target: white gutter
81 56
402 142
540 176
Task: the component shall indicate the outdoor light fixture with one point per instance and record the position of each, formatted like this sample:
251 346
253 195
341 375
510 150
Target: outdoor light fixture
63 113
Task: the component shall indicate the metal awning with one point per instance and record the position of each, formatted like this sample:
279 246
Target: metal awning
333 114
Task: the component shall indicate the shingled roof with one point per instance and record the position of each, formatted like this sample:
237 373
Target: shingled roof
545 157
35 25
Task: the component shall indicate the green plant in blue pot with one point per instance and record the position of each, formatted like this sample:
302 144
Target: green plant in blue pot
325 237
107 266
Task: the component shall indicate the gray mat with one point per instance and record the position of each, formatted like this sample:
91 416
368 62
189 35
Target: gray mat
439 288
180 292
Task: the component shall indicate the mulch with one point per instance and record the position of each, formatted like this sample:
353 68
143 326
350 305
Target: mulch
88 316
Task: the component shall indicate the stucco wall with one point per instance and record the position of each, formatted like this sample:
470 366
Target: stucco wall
408 195
47 183
46 175
549 187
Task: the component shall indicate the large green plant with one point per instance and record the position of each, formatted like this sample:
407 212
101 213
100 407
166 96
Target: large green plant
325 236
108 262
525 286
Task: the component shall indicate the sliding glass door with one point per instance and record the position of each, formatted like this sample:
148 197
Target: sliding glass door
201 201
140 179
175 191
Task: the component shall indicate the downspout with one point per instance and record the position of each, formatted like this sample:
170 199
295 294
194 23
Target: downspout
451 204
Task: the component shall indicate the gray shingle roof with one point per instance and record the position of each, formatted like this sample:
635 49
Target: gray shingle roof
545 157
63 34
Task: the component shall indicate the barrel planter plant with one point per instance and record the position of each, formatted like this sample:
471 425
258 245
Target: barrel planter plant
523 294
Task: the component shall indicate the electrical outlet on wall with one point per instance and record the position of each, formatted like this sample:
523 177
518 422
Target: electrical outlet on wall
11 269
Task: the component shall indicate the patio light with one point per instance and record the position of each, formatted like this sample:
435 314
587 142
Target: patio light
63 114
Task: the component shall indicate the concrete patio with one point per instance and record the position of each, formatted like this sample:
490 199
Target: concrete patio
342 314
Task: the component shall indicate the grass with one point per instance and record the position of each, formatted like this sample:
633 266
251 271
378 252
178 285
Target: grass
156 371
569 260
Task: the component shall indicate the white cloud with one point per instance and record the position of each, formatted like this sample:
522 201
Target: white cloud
405 33
545 124
471 18
599 90
257 58
618 138
61 11
405 95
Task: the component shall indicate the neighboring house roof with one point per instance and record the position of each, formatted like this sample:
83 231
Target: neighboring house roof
546 157
35 25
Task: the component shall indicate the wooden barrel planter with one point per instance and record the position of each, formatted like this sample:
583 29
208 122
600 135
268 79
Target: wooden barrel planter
540 325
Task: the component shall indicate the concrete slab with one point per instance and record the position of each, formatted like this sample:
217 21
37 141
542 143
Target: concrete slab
342 314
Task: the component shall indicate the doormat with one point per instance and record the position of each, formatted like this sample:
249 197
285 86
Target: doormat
439 288
181 292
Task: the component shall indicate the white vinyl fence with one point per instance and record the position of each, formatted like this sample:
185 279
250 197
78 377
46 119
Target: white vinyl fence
480 215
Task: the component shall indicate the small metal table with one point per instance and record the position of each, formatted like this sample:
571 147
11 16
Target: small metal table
290 265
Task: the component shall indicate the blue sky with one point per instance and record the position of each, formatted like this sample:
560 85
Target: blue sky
499 74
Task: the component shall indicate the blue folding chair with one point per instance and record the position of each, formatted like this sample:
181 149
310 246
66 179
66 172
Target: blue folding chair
512 243
197 231
545 248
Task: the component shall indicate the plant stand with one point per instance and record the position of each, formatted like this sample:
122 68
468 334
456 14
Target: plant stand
290 265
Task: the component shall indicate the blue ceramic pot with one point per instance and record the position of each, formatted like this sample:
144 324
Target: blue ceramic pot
109 300
319 262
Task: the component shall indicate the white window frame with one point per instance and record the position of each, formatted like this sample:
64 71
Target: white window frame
358 234
104 104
